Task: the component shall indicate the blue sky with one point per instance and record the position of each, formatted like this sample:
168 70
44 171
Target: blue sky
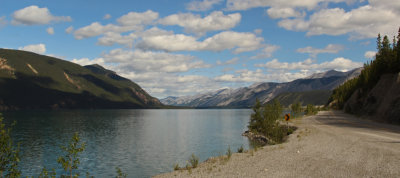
175 48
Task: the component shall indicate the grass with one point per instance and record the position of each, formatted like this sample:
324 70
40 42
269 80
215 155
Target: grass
229 152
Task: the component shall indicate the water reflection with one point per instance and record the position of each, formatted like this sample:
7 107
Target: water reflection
141 142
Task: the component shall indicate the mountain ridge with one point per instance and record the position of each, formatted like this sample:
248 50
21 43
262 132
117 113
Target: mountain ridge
33 81
245 96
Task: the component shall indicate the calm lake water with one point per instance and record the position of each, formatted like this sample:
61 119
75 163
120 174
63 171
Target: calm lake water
142 143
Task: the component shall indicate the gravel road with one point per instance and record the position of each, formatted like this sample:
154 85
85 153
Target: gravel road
330 144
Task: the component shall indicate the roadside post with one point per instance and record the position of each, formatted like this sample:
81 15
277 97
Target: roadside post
287 118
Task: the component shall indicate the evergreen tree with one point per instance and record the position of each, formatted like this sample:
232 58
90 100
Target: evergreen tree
9 156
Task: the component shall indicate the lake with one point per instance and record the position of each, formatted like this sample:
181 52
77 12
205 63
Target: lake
142 143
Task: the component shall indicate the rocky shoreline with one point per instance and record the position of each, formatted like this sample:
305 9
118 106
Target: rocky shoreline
261 139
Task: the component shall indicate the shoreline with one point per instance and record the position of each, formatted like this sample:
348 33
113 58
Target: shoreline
211 164
329 144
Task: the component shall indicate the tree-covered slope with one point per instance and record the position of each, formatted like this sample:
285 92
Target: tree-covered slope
32 81
314 97
376 91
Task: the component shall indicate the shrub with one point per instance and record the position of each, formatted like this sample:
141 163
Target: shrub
229 152
9 156
241 149
194 161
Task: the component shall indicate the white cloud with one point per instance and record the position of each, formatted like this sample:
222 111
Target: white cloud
87 61
34 15
128 22
340 63
69 30
286 12
151 70
198 25
330 48
111 38
50 30
229 62
370 54
202 5
248 4
107 16
152 61
266 52
258 31
239 42
36 48
363 22
138 19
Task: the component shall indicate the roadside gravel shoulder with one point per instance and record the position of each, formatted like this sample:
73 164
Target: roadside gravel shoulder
330 144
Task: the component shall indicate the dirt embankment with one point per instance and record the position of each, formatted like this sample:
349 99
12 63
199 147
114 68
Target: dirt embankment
382 102
330 144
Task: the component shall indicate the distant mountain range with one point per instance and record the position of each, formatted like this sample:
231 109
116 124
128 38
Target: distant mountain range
33 81
314 89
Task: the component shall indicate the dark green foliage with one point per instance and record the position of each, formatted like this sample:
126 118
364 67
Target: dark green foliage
311 110
295 109
120 174
46 174
241 149
71 161
387 60
9 155
265 121
315 97
229 152
194 161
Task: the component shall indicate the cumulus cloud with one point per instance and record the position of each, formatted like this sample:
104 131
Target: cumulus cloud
107 16
330 48
128 22
111 38
36 48
198 25
50 30
266 52
286 12
202 5
248 4
34 15
370 54
238 41
151 69
87 61
69 30
229 62
152 61
340 64
137 18
363 22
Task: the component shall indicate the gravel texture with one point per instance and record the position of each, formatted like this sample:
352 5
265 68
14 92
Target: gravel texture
330 144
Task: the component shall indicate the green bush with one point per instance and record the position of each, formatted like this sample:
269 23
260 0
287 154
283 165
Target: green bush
265 121
194 161
9 155
229 152
311 110
241 149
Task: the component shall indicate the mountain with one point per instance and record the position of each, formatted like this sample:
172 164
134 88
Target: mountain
33 81
315 97
246 96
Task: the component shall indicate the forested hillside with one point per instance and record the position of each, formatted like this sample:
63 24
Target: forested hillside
375 92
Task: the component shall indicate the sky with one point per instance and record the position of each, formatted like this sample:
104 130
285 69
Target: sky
177 48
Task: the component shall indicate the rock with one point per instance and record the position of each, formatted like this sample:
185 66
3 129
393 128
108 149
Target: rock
256 137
